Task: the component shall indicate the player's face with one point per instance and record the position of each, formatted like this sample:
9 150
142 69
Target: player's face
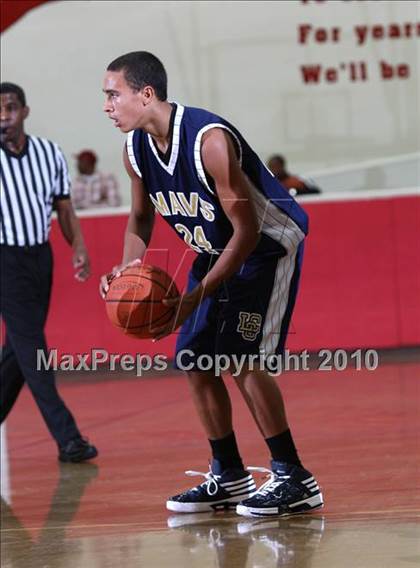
122 105
12 116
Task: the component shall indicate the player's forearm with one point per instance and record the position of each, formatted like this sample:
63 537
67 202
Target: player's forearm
237 250
137 238
134 247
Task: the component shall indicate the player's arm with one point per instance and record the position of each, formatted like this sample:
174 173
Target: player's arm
233 189
141 219
139 227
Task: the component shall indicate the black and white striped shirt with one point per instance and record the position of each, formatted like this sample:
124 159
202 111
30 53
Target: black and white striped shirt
30 182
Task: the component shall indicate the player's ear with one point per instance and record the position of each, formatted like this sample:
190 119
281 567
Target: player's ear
148 94
26 111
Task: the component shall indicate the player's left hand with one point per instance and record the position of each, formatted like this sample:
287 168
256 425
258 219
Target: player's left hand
81 264
183 305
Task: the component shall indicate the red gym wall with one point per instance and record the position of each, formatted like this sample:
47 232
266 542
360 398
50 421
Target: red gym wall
360 284
12 10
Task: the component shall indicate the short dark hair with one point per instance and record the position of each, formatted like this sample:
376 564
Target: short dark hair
12 88
142 69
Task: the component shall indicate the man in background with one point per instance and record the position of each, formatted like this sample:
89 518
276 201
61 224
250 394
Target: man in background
92 188
34 180
277 165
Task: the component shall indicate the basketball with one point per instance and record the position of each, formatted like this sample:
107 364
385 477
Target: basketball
134 300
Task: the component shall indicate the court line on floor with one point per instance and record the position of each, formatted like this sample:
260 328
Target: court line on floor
379 511
159 527
75 527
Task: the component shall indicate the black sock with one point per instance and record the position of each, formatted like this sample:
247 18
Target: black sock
283 448
225 450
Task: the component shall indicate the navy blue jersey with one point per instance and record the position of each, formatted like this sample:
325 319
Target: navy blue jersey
184 194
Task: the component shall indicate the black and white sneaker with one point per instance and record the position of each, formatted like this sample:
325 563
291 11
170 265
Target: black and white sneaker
290 490
222 491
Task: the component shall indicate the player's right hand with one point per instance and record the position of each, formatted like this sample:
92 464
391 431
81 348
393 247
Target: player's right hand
106 279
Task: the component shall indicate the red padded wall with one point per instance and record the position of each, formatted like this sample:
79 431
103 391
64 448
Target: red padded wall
360 284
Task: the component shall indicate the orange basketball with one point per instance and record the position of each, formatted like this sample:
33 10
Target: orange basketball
134 300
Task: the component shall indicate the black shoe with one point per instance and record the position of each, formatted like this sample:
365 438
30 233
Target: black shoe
216 492
291 489
77 450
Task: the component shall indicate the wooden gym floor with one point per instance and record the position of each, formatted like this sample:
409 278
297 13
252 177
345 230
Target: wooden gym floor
358 431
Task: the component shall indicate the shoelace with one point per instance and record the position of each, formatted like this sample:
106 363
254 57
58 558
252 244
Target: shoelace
210 483
272 483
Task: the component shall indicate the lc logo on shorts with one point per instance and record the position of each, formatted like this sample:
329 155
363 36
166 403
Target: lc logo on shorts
249 325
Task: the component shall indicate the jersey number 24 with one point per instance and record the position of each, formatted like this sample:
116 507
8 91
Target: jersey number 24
198 241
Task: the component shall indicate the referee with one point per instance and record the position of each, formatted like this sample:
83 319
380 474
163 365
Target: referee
34 180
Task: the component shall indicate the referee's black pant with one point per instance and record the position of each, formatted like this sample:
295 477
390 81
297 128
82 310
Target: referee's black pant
26 279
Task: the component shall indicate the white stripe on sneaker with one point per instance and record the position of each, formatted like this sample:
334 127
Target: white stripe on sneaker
243 490
239 486
236 482
314 501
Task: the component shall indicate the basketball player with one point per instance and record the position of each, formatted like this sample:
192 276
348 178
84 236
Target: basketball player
197 170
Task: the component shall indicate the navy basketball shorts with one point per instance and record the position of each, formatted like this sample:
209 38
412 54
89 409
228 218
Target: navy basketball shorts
249 314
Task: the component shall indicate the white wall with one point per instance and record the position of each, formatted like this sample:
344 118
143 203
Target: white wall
240 59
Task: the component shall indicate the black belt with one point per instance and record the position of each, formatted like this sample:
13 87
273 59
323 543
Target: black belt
26 248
